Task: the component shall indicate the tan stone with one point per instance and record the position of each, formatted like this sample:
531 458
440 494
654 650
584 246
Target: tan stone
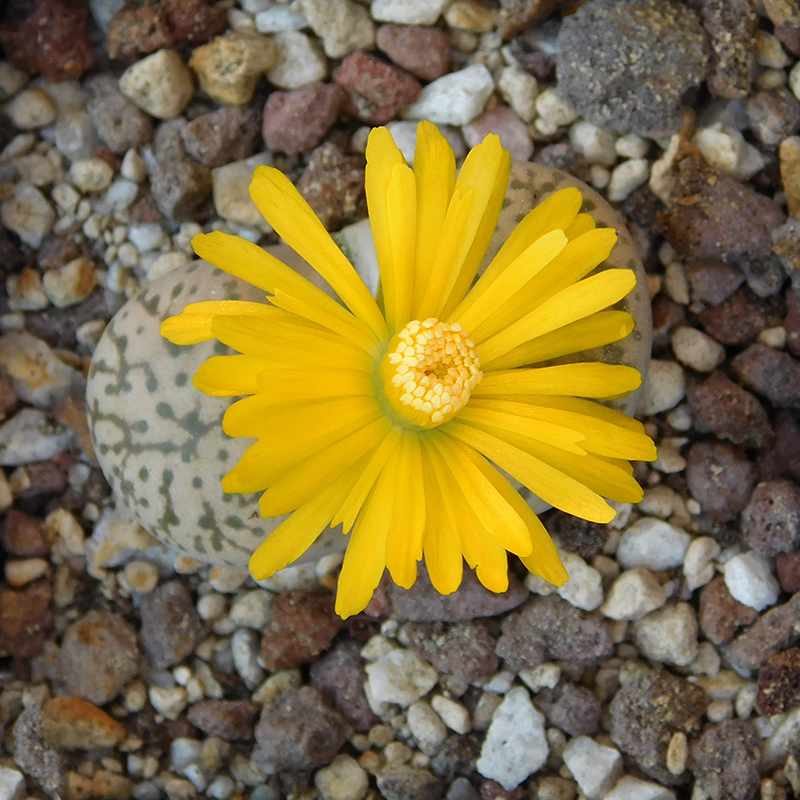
71 723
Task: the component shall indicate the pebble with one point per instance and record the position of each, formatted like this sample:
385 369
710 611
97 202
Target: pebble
584 586
229 720
27 212
222 136
698 566
297 121
230 67
245 647
278 19
630 788
343 25
399 677
426 727
606 51
770 522
22 571
70 723
422 51
630 145
231 195
668 635
454 715
727 150
403 781
91 174
160 84
342 779
520 90
119 123
31 109
140 577
771 373
71 284
633 595
593 142
515 746
750 580
169 702
253 609
12 784
726 760
777 685
35 372
627 177
664 387
654 544
554 109
299 61
719 614
596 768
507 125
454 99
29 436
407 12
26 292
171 628
697 350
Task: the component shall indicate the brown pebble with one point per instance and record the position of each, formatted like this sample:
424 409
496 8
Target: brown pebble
771 373
771 521
25 619
71 723
779 683
719 615
787 565
231 720
424 52
727 760
23 535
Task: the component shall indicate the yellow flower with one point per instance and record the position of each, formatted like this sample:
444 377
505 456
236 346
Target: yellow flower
392 417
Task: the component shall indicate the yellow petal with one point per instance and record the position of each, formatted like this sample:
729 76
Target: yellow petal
404 540
303 385
575 302
228 376
297 533
549 483
298 484
435 175
587 379
511 280
392 203
256 266
588 408
193 324
294 221
583 223
468 227
597 330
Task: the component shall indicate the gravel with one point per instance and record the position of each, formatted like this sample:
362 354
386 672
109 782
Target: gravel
666 667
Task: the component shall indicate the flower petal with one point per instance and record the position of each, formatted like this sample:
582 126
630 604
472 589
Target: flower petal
552 485
228 376
575 302
193 324
468 227
294 221
587 379
597 330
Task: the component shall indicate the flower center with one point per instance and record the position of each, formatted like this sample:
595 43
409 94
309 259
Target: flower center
429 371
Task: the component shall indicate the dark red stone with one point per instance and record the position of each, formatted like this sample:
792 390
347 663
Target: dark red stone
424 52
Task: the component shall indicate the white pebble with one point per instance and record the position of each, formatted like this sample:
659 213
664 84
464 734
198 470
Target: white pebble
584 586
727 150
426 727
211 606
697 350
698 566
520 90
400 677
22 571
668 635
140 577
343 779
299 61
65 286
769 52
26 212
596 768
652 543
664 388
91 174
343 25
631 145
168 702
454 99
749 579
279 19
253 609
542 676
626 177
515 746
31 109
407 12
12 784
553 109
227 579
593 142
133 167
245 651
633 595
120 195
630 788
145 236
12 80
453 714
160 84
65 196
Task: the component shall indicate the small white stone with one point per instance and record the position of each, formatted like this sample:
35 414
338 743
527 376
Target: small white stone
769 52
676 284
543 676
226 579
626 177
75 135
654 544
593 142
91 174
74 282
253 609
630 788
221 788
12 80
231 191
728 151
499 683
133 167
584 586
342 25
633 595
120 195
276 684
750 580
160 84
453 714
38 170
454 99
22 571
31 109
707 661
745 700
245 649
515 746
677 753
140 577
407 12
26 292
794 80
426 727
343 779
698 565
595 768
298 62
631 145
697 350
66 533
12 784
782 741
168 702
668 635
211 606
773 337
146 236
279 19
26 212
552 108
400 677
520 90
664 388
